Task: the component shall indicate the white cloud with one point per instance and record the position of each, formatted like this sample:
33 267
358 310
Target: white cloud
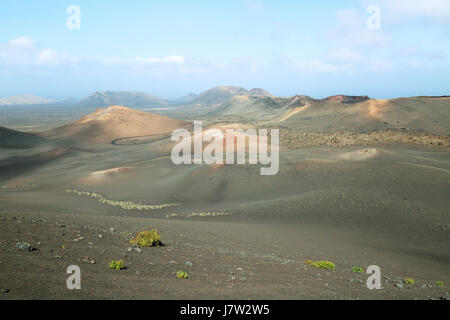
26 52
438 10
169 59
351 45
49 57
141 61
350 31
400 10
354 47
22 42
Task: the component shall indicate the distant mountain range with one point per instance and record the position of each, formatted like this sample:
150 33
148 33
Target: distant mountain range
236 105
220 94
126 98
338 113
24 99
140 99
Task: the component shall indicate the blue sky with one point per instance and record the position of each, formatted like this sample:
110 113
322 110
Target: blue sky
169 48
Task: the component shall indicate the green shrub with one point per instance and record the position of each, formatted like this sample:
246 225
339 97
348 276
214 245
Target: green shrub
182 275
116 265
147 238
358 270
439 283
323 264
409 281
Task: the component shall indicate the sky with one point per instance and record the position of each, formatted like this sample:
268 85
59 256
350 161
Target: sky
380 48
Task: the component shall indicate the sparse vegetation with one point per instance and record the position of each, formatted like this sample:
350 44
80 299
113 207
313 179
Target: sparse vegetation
409 281
23 186
147 238
322 264
200 214
439 283
358 269
208 214
294 138
116 265
182 275
126 205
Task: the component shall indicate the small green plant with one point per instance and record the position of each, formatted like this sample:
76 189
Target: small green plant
409 281
358 270
182 275
439 283
116 265
323 264
147 238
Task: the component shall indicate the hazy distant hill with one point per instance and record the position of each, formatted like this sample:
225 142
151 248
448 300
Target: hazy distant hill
259 106
24 99
186 98
259 92
127 98
221 94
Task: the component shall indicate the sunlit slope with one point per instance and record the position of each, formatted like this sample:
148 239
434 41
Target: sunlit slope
427 114
108 124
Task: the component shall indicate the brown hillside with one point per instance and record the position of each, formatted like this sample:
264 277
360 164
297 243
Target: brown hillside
114 122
